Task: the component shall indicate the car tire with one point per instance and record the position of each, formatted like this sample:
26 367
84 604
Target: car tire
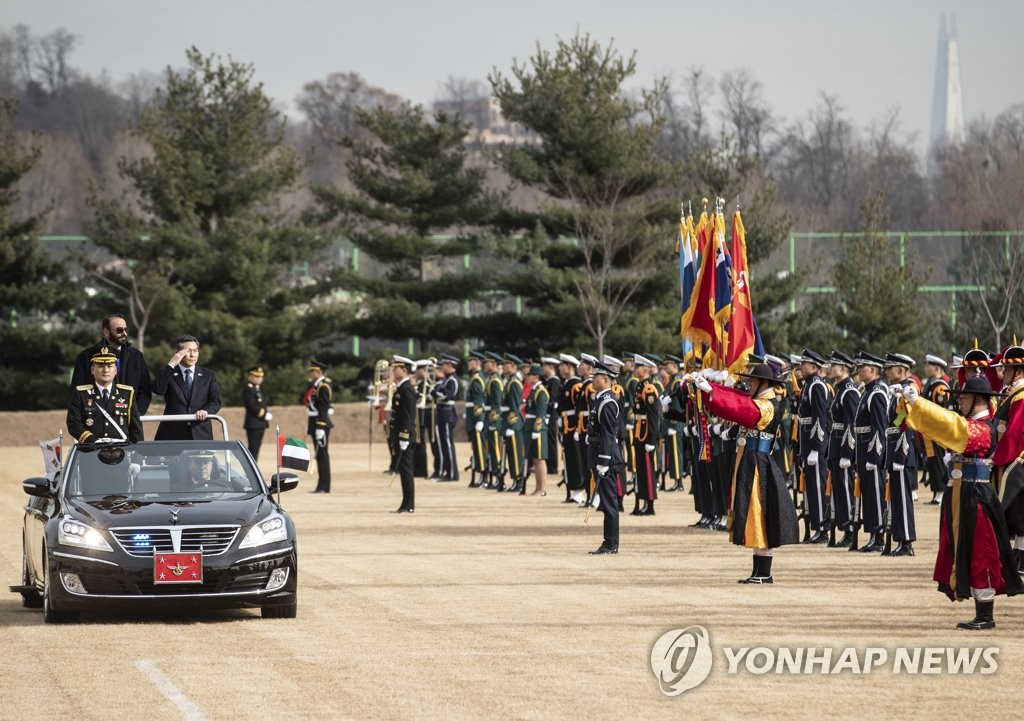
50 614
290 610
29 599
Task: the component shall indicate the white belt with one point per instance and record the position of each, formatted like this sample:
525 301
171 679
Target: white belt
469 404
568 413
446 403
838 426
504 408
862 429
531 415
805 421
892 431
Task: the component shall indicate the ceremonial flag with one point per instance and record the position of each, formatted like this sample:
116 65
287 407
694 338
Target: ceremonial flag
698 322
744 337
723 275
292 453
51 455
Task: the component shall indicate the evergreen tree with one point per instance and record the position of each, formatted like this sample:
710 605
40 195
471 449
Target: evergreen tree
204 242
36 295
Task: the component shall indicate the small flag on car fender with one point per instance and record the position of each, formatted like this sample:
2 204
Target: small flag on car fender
292 453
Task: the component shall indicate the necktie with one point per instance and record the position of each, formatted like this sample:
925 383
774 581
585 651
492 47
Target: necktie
188 381
106 395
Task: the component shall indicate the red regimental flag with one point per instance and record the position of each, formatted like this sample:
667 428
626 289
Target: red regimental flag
741 322
698 322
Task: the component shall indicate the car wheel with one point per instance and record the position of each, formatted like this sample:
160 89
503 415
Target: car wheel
50 614
29 599
290 610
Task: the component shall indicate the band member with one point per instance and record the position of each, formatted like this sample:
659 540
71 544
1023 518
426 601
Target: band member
871 422
974 558
536 425
403 428
103 409
494 429
317 400
842 414
812 417
761 516
475 417
573 463
554 386
647 414
445 393
257 417
512 423
936 390
901 457
606 454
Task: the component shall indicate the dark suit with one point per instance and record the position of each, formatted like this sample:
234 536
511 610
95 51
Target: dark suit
403 429
89 416
170 383
255 417
131 370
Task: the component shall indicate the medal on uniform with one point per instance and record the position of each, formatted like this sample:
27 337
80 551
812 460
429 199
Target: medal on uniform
88 421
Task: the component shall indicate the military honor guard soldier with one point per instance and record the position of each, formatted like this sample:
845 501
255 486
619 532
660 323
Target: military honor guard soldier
446 391
869 430
103 409
812 417
403 429
554 385
606 454
475 416
317 400
257 417
901 457
536 429
841 444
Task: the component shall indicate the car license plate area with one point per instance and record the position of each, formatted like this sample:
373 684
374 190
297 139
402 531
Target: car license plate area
177 568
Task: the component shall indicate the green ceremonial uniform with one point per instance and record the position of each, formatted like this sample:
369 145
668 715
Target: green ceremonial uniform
537 422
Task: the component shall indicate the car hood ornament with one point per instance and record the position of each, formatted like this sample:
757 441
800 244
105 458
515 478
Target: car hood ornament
174 516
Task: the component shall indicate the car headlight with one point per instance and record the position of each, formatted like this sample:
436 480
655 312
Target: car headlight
72 533
269 531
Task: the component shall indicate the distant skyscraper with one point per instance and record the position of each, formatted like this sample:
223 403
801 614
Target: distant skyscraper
948 106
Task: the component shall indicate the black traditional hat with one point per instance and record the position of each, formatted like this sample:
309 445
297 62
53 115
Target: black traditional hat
762 372
974 358
1013 357
976 385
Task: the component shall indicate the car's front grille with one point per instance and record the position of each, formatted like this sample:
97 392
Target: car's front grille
143 542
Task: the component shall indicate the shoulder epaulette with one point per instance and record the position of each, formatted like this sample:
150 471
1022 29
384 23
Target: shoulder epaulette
124 387
83 387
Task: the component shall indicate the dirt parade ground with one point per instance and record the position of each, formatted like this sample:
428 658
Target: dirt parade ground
487 606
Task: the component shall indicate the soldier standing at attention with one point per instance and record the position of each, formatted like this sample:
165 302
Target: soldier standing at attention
317 400
901 458
257 416
403 429
537 428
445 393
812 415
842 413
103 409
475 416
554 386
869 427
647 413
606 454
571 385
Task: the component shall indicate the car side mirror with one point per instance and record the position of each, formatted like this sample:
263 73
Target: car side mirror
284 482
37 486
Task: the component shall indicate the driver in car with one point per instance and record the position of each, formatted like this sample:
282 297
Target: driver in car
200 469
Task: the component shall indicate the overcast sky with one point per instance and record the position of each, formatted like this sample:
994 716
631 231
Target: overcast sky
875 55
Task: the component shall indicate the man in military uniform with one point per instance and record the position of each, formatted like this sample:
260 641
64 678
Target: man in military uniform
512 423
672 437
647 411
901 458
445 393
495 392
317 400
869 429
573 463
403 428
103 409
629 383
553 383
257 417
475 417
936 390
812 417
606 454
842 414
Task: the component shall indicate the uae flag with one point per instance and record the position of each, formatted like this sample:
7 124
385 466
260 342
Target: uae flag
292 453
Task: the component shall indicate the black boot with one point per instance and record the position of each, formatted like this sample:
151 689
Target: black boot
762 571
636 507
982 617
648 509
753 571
845 541
905 549
1019 553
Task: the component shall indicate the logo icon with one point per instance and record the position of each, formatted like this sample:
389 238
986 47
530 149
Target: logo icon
681 659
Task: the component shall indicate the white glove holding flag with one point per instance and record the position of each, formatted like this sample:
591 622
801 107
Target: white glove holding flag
649 448
910 394
717 429
509 432
535 436
666 401
478 426
812 458
702 384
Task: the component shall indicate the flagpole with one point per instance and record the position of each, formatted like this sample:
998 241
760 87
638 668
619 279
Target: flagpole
277 443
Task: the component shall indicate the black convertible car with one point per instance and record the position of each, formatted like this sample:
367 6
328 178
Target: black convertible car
189 524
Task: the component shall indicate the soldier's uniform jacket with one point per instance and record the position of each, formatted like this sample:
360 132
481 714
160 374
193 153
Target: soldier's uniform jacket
584 397
812 416
870 423
495 393
402 425
445 392
899 442
537 409
842 414
605 423
317 399
630 388
567 404
647 413
554 386
512 402
476 399
87 422
676 394
255 408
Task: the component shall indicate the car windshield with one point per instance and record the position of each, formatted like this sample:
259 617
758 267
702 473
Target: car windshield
162 471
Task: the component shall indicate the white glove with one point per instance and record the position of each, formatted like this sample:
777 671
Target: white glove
910 394
897 466
870 466
946 458
402 445
812 458
666 401
688 378
702 384
478 426
649 448
269 416
320 435
601 470
535 436
844 463
509 432
330 411
671 431
686 430
575 435
717 429
629 426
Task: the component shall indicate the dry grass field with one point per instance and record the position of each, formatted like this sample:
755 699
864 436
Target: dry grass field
482 605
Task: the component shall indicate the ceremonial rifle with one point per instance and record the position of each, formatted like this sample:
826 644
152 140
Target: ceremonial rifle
856 521
887 520
831 513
